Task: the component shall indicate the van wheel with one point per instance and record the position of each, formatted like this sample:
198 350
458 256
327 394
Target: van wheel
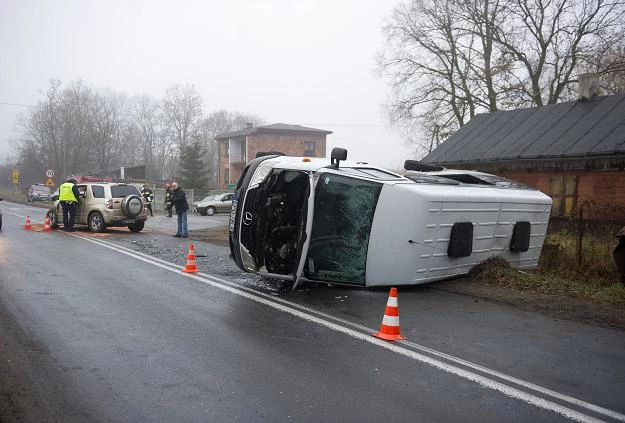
96 222
136 227
210 211
54 218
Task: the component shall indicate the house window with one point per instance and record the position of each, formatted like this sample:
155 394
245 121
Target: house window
563 192
309 148
226 176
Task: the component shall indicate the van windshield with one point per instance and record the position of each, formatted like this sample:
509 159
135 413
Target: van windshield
342 219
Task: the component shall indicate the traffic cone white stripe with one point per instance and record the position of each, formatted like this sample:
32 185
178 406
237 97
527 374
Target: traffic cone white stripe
392 302
390 320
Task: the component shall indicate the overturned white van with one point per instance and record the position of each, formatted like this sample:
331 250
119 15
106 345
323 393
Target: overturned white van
310 220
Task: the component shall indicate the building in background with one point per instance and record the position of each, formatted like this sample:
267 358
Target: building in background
574 152
237 148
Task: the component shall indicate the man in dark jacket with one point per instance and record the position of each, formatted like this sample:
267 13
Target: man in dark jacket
179 200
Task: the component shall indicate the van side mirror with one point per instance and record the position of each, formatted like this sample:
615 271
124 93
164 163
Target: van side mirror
336 156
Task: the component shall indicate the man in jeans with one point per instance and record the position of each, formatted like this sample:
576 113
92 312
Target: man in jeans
179 201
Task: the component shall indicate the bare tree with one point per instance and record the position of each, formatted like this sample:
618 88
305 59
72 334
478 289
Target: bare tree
146 114
549 39
104 119
182 113
448 60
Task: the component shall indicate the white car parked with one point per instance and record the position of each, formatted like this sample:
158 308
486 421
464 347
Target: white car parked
213 204
304 219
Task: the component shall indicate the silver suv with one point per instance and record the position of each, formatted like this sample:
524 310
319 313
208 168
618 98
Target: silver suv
103 204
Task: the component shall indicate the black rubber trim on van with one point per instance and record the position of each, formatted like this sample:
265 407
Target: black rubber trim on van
461 240
520 241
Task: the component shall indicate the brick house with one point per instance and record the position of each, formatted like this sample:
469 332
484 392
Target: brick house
574 152
237 148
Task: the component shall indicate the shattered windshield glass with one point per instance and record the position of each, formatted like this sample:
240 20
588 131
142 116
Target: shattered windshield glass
344 209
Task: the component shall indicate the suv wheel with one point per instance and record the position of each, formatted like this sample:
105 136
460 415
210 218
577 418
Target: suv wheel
54 218
96 222
132 205
211 211
136 227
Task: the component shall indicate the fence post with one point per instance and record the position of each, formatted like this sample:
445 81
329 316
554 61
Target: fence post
580 235
619 255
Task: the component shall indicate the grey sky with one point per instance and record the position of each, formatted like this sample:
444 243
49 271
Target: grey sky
299 62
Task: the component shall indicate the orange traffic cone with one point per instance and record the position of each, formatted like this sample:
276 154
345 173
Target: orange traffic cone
390 323
190 267
27 224
46 224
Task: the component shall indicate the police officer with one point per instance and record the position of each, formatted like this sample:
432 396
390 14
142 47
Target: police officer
147 194
68 196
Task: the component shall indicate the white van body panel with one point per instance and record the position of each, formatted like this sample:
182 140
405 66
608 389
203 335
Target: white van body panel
412 224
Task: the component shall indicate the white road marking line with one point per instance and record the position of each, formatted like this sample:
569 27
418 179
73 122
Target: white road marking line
291 308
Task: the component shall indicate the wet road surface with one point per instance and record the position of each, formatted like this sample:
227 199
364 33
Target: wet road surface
112 330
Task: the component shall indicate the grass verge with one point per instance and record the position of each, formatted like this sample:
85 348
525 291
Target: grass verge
496 271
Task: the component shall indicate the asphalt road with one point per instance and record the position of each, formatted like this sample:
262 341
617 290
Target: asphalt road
106 327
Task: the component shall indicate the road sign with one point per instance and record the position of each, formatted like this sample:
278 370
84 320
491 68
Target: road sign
49 182
49 173
15 176
231 186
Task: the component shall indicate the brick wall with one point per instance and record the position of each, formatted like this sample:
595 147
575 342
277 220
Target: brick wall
223 163
605 188
289 144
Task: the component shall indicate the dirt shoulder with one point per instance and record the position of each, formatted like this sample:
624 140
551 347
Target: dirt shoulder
555 306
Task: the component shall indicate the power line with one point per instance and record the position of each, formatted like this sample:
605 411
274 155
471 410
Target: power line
16 104
357 125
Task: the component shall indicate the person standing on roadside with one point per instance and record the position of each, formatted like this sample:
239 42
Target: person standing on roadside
179 200
168 195
147 195
68 196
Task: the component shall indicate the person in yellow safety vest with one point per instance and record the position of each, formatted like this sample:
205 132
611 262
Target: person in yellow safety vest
68 197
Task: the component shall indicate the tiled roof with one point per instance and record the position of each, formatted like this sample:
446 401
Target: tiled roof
581 129
276 127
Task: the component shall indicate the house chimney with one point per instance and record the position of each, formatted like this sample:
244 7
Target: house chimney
249 125
588 85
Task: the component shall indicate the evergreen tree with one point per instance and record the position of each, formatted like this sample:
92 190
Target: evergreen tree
194 173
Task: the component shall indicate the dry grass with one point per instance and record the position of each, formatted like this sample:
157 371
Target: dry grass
497 271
